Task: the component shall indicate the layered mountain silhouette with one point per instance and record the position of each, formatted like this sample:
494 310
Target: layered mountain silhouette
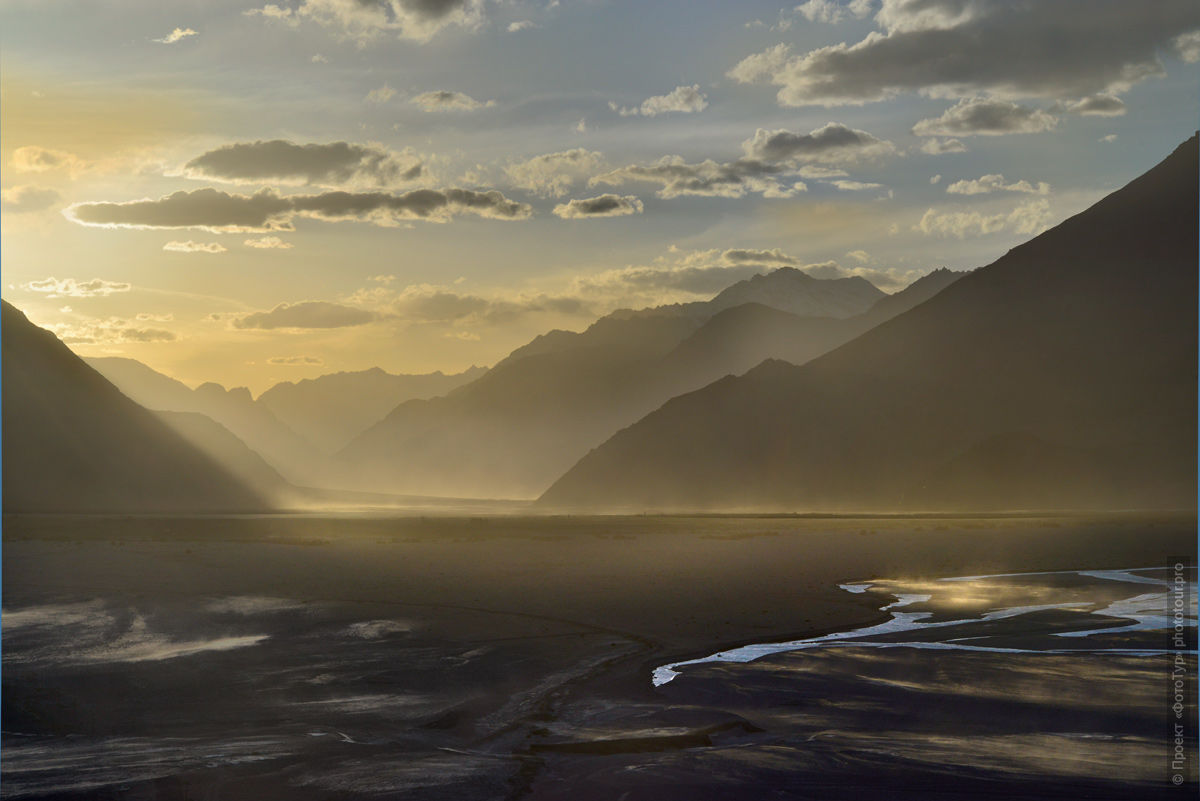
289 454
1063 375
74 443
331 410
514 430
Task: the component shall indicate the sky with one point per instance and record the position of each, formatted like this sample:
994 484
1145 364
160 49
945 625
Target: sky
248 193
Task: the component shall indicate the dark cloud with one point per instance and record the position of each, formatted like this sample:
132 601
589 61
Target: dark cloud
280 161
1064 49
108 331
984 117
606 205
306 314
266 210
708 178
27 199
773 257
444 100
832 144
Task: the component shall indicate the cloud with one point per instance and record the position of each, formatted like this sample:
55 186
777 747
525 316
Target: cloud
773 162
520 25
761 66
960 48
831 12
381 95
936 178
995 183
1031 217
983 117
266 211
329 164
296 361
1110 138
708 178
552 174
363 21
108 331
32 158
27 199
606 205
176 35
860 256
443 100
147 317
70 288
1098 106
832 143
268 243
681 99
936 147
194 247
681 276
1188 46
433 304
858 186
306 314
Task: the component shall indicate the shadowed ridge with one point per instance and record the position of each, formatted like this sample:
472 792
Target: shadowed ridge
74 443
1063 375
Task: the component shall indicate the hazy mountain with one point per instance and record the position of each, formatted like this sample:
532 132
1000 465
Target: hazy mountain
74 443
331 410
285 450
792 290
215 441
738 338
516 429
1061 375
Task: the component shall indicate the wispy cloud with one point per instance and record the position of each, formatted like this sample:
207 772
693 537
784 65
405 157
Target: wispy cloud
71 288
177 35
680 100
194 247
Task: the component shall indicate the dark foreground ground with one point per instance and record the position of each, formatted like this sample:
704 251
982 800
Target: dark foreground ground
509 657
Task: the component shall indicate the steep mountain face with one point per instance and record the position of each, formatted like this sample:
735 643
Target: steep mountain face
1063 375
74 443
331 410
512 432
286 451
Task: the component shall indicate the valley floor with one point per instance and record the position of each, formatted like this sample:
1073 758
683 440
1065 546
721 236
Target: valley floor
511 657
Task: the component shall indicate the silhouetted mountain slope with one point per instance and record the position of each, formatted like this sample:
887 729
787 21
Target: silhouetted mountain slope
285 450
1061 375
513 431
74 443
214 440
331 410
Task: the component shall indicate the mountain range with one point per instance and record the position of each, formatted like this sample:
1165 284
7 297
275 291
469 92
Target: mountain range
513 431
74 443
1063 375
